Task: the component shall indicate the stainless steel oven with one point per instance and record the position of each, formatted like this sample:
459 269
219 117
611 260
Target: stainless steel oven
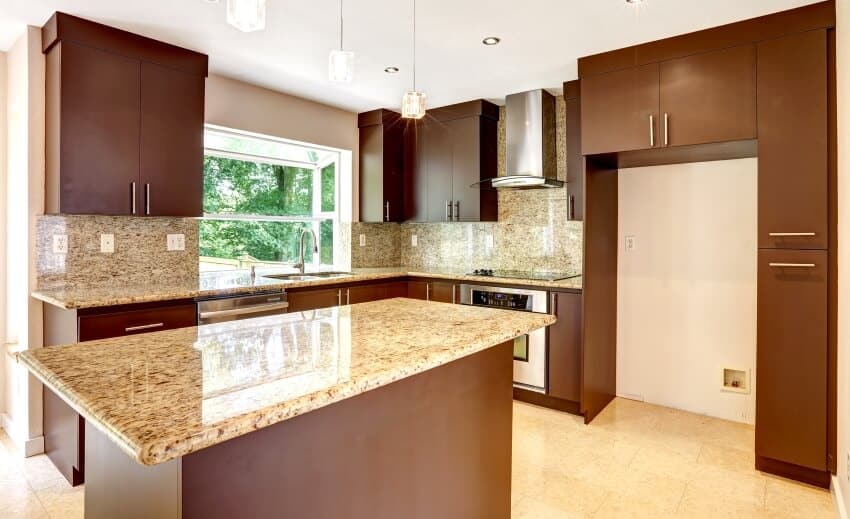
232 308
529 349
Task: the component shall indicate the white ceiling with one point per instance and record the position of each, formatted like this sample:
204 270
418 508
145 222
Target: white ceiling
541 39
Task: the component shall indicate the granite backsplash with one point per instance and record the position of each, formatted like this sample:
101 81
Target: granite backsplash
140 250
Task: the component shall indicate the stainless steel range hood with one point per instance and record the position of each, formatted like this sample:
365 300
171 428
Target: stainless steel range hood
531 157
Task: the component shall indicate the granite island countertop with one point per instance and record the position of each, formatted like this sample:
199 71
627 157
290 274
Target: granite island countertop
167 394
220 283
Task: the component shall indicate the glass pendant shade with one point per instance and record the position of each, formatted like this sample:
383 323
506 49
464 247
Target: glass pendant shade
247 15
341 66
413 105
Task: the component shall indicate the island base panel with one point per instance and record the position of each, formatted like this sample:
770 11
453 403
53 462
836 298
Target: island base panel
437 444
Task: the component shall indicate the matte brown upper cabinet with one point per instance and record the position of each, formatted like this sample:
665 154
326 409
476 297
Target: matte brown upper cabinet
124 122
793 178
699 99
381 166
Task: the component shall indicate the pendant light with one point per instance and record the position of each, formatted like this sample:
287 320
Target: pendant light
341 62
413 102
247 15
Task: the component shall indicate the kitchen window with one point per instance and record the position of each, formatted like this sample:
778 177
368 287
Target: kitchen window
260 193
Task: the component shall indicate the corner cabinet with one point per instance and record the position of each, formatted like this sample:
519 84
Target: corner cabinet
449 151
124 122
381 166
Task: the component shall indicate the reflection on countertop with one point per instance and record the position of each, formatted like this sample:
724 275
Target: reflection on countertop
166 394
227 282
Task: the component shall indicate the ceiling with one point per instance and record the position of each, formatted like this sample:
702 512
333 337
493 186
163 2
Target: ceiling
541 39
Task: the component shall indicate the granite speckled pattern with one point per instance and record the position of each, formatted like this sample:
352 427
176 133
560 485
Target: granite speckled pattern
383 245
220 283
140 251
163 395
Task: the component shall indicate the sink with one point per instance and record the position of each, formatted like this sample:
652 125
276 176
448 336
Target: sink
308 276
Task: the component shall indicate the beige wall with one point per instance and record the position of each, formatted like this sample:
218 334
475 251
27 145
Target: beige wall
242 106
687 291
23 203
2 230
843 77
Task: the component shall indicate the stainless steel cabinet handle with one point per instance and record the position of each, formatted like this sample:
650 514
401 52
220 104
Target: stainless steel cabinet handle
143 327
253 309
651 131
448 211
781 234
348 296
553 303
133 197
666 130
793 265
457 210
147 199
339 297
427 291
571 210
454 297
387 207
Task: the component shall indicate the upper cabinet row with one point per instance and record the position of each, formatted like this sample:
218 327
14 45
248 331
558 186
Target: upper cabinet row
699 99
425 171
125 122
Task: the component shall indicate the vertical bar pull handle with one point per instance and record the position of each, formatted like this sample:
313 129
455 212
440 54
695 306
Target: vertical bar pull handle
387 209
448 211
427 291
666 129
348 296
457 210
651 131
339 297
133 197
147 199
571 210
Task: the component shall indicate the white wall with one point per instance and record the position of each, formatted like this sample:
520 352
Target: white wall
687 291
24 201
843 78
2 230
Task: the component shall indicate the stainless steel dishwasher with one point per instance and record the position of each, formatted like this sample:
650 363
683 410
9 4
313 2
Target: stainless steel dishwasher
232 308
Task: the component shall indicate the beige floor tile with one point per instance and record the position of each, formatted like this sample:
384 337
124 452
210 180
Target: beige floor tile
727 458
696 504
714 483
658 459
23 507
663 491
621 506
62 501
41 473
569 494
531 508
784 498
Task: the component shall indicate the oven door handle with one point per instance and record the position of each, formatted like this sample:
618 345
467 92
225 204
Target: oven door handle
254 309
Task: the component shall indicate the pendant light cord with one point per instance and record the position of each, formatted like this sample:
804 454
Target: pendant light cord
341 27
414 45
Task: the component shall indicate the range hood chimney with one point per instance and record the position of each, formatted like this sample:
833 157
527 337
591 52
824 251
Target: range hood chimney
531 156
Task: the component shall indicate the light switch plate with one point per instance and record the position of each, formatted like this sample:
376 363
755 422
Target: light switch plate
176 242
362 240
107 243
60 244
414 240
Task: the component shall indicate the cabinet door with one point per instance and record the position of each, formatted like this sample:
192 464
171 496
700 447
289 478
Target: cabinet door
620 110
709 97
466 168
313 299
565 347
365 293
172 142
791 377
442 292
792 147
132 322
418 290
437 151
575 160
372 173
393 177
98 117
397 289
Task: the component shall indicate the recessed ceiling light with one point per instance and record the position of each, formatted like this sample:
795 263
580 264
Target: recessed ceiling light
633 1
491 40
211 1
391 70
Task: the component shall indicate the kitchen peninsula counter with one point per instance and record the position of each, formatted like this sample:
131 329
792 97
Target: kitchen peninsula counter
193 395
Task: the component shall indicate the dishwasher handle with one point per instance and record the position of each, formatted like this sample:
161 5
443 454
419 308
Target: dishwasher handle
247 310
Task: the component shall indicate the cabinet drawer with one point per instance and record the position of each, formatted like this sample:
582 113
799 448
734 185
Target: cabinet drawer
314 299
791 376
131 322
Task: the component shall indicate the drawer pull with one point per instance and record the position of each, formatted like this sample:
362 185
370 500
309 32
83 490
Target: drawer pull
792 265
790 234
143 327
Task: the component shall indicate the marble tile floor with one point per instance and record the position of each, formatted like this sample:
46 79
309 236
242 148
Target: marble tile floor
635 460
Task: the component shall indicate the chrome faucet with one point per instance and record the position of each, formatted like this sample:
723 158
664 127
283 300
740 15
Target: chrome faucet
300 264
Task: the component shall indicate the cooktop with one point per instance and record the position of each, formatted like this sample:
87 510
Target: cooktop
523 274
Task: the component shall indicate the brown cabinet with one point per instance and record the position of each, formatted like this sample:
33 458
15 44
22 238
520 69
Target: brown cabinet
791 379
564 338
103 325
709 97
575 159
699 99
366 293
307 299
124 122
793 182
381 166
444 292
453 149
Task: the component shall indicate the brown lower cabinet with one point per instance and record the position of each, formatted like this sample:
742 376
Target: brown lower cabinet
792 362
307 299
442 292
565 347
64 429
312 299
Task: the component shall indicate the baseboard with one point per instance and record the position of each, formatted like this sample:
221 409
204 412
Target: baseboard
838 497
818 478
29 447
34 446
533 397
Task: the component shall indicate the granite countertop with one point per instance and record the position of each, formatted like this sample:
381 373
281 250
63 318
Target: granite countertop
240 282
166 394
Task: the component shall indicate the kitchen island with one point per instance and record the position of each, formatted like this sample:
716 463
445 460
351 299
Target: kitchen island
396 408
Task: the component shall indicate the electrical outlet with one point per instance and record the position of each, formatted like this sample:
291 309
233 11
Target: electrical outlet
107 243
631 243
414 240
362 240
489 241
60 244
175 242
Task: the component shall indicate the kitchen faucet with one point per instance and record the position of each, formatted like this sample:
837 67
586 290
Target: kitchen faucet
300 264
